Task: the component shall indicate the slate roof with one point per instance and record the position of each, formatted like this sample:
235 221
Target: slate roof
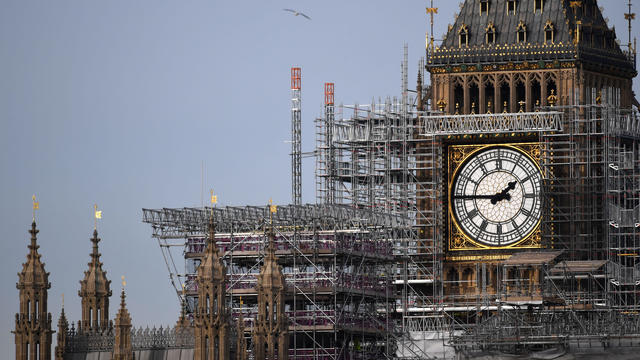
507 48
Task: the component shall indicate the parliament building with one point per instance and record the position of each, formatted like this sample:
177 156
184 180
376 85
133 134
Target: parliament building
493 209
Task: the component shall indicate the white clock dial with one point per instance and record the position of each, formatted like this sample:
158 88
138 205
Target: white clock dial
495 196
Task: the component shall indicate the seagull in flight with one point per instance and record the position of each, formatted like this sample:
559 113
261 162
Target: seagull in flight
296 13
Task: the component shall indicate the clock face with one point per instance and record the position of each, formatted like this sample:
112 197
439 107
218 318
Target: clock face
495 196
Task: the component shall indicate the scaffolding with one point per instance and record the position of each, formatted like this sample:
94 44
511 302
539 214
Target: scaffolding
337 261
390 157
296 135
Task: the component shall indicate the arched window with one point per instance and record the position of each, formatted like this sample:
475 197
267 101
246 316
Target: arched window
491 33
463 36
208 304
484 7
216 348
522 32
512 6
275 310
215 303
548 32
538 5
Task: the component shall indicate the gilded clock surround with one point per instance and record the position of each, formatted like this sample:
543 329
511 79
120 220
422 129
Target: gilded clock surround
458 240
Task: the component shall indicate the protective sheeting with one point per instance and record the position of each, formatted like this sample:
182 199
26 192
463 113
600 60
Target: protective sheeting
170 354
94 355
430 343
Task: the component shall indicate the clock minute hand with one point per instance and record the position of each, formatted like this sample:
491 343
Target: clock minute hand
468 197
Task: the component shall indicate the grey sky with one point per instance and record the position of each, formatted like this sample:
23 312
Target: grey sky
118 103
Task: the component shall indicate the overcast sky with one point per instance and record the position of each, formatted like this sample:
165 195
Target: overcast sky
120 102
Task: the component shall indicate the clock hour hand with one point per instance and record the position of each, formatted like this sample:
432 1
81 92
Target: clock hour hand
504 194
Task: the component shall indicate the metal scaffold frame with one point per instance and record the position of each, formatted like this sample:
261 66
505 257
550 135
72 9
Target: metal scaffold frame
337 261
376 156
389 157
296 135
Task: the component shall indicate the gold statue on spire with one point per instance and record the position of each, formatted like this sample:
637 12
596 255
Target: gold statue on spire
36 206
97 214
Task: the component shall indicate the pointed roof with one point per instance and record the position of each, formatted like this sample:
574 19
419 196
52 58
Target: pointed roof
271 273
95 282
123 318
183 322
559 15
62 321
211 267
33 273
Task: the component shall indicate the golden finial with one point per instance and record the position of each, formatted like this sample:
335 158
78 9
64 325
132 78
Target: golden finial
489 107
97 214
521 106
537 106
124 283
36 206
441 105
552 99
62 301
457 109
504 109
214 201
599 98
214 198
473 108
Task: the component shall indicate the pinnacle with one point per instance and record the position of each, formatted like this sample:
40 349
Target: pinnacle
34 231
122 300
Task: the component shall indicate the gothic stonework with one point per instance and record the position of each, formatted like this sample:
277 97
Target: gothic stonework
63 328
270 332
122 349
95 292
500 60
211 318
33 322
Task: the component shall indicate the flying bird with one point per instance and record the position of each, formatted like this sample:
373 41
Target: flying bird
296 13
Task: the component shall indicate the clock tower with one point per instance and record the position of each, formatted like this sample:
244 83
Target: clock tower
506 82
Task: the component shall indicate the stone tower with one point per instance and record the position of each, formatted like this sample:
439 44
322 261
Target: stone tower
211 325
63 327
507 56
122 349
270 332
33 322
95 292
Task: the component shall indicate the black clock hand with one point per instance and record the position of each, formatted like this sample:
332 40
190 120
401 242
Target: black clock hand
504 194
470 197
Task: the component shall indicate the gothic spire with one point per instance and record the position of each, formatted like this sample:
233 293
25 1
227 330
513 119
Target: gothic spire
95 291
122 349
33 322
